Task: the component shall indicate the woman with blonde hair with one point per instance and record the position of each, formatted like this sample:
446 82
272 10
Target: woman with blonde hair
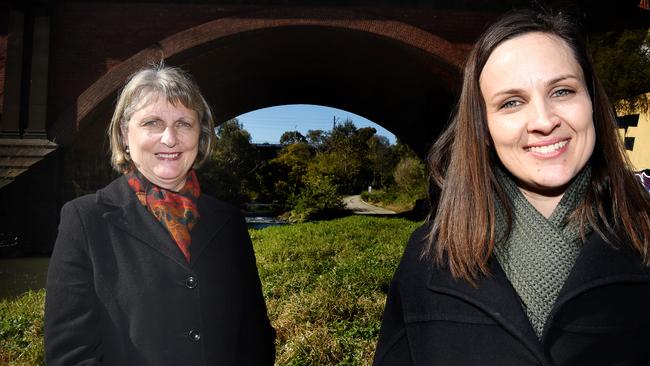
150 271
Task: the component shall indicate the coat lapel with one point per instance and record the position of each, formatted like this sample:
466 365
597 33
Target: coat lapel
599 264
211 221
496 297
126 213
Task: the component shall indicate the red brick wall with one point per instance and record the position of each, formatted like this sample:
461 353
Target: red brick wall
89 39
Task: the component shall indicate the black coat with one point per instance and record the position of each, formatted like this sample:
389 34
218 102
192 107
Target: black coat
601 316
120 292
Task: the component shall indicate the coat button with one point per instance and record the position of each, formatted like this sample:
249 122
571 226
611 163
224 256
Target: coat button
191 282
195 335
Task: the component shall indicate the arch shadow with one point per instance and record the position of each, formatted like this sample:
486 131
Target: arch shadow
395 74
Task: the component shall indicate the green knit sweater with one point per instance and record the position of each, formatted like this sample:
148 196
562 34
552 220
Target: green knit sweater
539 253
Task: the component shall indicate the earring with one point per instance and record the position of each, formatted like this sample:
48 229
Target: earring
127 150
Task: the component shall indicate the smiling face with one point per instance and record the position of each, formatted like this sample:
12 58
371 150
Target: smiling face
539 113
163 141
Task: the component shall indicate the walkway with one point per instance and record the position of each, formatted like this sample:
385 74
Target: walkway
358 206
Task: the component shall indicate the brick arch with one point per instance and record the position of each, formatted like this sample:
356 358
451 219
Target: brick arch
180 48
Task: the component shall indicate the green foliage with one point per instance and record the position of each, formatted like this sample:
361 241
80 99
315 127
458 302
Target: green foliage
343 156
289 170
393 198
229 173
292 137
341 167
295 158
317 200
622 62
315 170
311 173
411 176
316 139
379 196
21 334
409 183
325 285
382 160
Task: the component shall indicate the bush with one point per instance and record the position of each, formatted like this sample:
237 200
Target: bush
379 196
411 176
317 200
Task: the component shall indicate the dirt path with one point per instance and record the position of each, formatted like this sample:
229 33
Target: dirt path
358 206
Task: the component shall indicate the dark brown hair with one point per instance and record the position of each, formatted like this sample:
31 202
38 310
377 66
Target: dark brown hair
462 160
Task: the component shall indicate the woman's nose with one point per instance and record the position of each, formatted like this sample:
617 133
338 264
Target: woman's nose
544 119
169 137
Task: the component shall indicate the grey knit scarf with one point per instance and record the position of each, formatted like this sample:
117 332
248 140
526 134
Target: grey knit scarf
539 253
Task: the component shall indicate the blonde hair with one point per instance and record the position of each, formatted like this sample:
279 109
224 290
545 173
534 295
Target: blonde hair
176 86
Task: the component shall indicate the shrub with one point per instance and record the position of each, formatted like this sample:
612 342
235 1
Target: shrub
317 200
380 196
410 175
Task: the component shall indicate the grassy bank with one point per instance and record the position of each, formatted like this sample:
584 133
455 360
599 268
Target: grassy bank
324 284
393 199
21 330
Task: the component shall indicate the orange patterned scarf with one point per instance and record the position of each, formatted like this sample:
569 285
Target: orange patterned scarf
176 211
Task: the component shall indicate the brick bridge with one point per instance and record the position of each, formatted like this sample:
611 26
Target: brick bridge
63 62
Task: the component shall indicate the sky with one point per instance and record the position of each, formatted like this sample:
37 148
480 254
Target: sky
268 124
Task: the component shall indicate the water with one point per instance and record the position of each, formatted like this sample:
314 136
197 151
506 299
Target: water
18 275
260 222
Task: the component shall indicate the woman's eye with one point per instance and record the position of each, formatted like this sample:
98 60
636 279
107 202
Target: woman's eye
511 104
151 123
562 92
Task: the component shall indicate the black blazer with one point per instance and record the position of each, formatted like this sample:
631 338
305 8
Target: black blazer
120 292
601 316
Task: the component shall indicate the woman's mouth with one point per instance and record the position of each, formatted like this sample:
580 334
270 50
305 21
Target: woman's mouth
549 149
168 156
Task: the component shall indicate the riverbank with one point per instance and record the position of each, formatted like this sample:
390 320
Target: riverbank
325 285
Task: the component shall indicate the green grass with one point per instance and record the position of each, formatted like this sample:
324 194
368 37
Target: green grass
324 284
21 330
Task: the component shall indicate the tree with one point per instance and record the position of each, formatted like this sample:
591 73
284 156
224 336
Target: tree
285 174
340 136
295 158
292 137
316 139
229 172
622 62
382 160
411 177
343 157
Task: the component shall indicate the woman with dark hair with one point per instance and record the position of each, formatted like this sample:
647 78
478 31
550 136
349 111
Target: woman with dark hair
538 249
148 270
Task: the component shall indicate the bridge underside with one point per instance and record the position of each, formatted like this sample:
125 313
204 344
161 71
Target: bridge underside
398 66
405 89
